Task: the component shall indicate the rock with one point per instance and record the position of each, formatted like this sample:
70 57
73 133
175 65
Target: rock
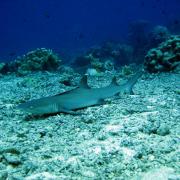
3 175
163 130
92 72
150 128
12 159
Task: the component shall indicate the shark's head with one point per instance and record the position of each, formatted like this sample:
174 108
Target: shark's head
34 107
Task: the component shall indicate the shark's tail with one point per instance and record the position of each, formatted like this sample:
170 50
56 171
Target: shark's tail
130 83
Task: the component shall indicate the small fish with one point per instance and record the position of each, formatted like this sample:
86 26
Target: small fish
78 98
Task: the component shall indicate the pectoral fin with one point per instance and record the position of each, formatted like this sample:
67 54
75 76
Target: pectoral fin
67 111
101 101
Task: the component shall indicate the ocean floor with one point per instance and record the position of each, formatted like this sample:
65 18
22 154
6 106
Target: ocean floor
133 137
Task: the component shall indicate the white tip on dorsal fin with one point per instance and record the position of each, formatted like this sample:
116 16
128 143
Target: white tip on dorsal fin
83 82
114 82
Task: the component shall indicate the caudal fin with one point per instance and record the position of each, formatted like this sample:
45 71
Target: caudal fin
130 83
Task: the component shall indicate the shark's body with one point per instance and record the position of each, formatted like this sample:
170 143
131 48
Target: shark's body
78 98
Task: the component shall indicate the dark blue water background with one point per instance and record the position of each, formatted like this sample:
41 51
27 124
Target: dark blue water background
71 26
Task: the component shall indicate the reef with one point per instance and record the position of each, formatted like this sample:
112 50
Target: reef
142 36
158 35
40 59
106 57
110 55
2 67
165 57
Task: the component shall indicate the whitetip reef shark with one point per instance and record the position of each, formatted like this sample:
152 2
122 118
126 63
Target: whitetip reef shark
78 98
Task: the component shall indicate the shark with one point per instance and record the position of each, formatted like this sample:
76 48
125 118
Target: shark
81 97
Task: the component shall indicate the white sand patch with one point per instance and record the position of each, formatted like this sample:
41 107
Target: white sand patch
152 99
88 173
85 134
58 158
113 128
109 145
146 114
97 150
128 153
94 149
43 175
163 173
72 160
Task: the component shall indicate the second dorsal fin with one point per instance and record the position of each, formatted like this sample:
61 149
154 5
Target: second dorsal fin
114 82
83 82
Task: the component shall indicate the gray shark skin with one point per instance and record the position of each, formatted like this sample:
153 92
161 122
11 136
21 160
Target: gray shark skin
78 98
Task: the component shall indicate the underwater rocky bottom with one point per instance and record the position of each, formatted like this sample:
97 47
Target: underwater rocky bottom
132 137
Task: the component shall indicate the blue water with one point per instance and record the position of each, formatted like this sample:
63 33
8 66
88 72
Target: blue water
72 26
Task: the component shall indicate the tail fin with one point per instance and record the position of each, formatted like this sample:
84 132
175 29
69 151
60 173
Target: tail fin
129 85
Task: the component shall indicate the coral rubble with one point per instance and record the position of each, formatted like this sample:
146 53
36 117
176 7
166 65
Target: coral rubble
131 137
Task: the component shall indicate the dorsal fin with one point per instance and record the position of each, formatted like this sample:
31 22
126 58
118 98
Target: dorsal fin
83 83
114 82
66 92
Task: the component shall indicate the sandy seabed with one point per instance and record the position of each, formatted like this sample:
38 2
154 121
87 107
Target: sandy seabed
133 137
